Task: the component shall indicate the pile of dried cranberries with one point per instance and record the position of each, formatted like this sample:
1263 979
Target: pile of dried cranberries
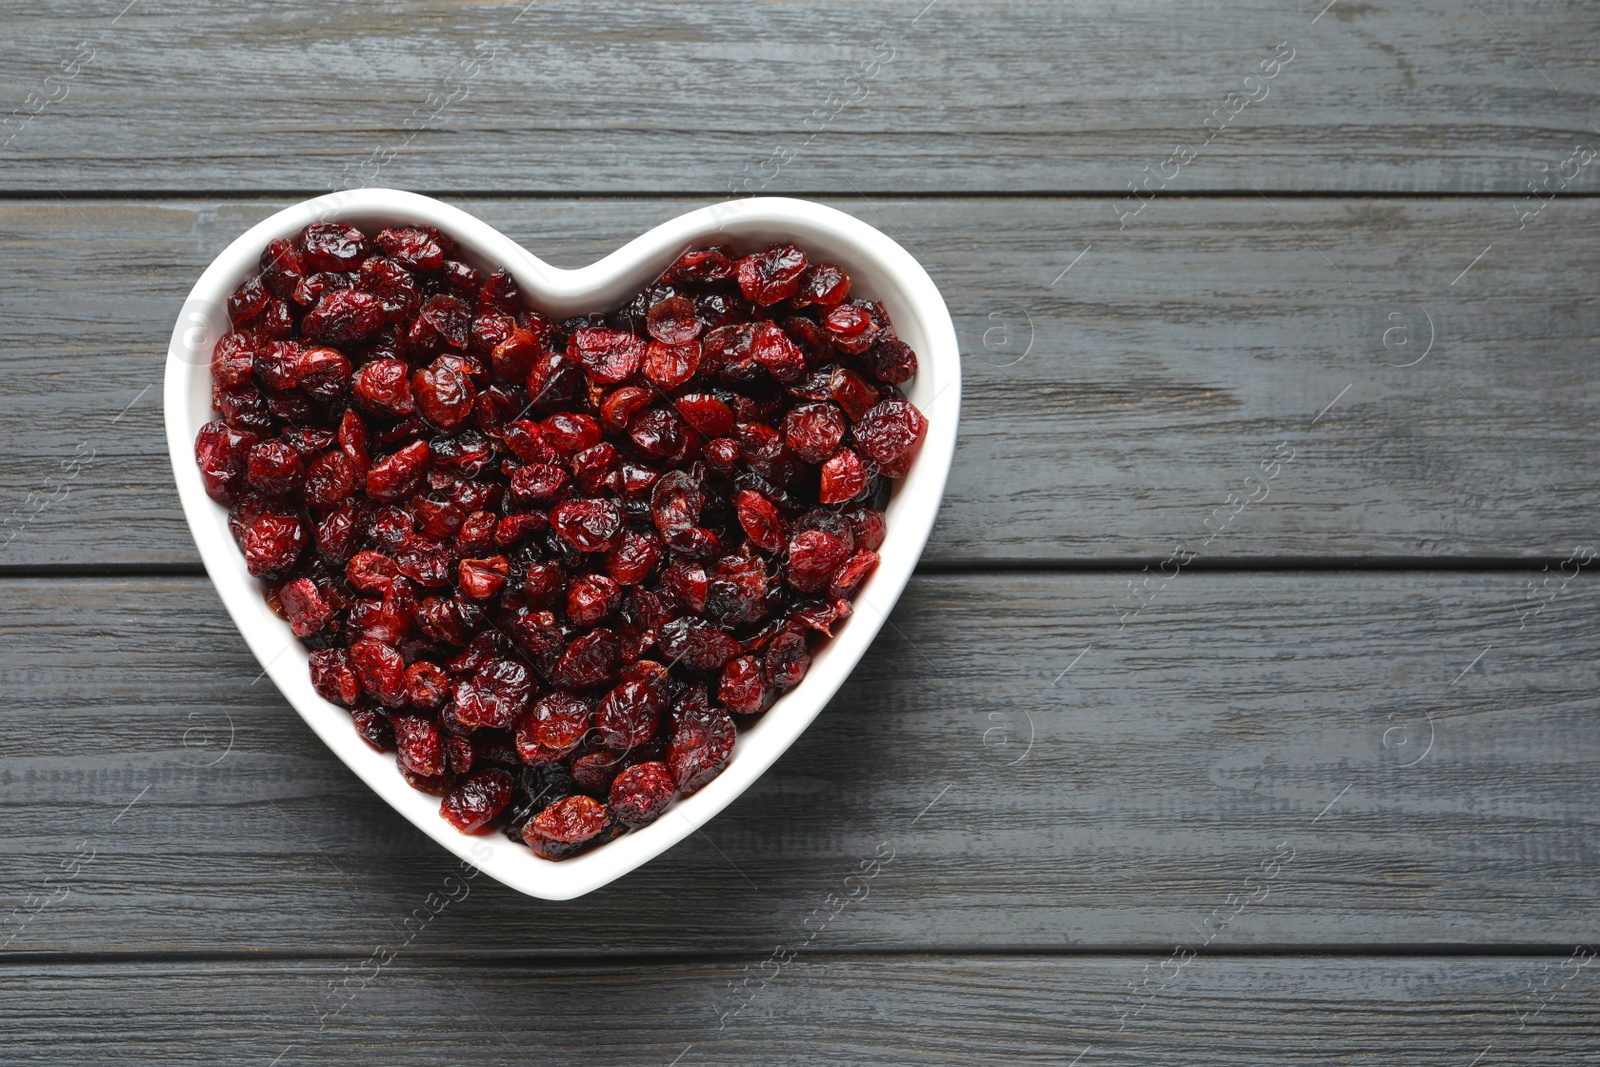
552 564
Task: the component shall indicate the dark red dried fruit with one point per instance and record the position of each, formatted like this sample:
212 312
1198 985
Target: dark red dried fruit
475 802
771 275
573 546
557 831
641 793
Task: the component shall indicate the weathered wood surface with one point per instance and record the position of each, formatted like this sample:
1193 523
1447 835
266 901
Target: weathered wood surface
847 1010
958 95
1108 411
1431 790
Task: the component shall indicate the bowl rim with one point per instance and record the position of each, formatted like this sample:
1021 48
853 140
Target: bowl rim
890 273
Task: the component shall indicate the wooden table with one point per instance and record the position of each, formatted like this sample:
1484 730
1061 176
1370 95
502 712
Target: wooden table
1243 708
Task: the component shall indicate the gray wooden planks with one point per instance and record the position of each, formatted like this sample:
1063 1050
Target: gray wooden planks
1109 410
847 1010
962 95
1043 779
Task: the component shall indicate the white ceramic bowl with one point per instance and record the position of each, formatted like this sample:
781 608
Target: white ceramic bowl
880 270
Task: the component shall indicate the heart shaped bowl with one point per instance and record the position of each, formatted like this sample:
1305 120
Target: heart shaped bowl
880 270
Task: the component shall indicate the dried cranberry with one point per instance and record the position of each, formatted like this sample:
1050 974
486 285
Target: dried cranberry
495 695
700 747
557 831
641 793
890 435
475 802
771 275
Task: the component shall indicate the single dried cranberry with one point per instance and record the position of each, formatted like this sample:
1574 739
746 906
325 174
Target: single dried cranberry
272 543
332 246
382 673
570 433
373 727
813 431
427 685
343 318
700 747
591 598
633 559
761 521
421 750
669 366
699 267
384 387
771 275
400 474
482 578
412 248
672 321
475 802
787 659
304 606
850 328
495 695
705 414
658 433
443 392
223 453
558 830
697 644
867 524
607 356
844 478
891 361
442 321
823 284
334 678
628 715
851 573
775 351
641 793
593 525
275 468
552 727
590 661
890 435
742 689
282 267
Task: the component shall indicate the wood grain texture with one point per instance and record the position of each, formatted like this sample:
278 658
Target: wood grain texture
1108 412
1042 778
923 1010
969 95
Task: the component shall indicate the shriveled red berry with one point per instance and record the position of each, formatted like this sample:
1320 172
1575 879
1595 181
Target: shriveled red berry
304 606
844 477
333 246
669 366
851 573
607 356
473 803
384 387
412 248
552 727
641 793
482 578
697 644
628 715
443 392
570 432
591 660
382 672
822 283
223 453
593 525
700 266
558 830
272 543
761 521
343 318
771 275
813 431
672 321
334 678
850 328
705 414
591 598
275 468
427 685
742 688
398 475
890 435
700 747
421 749
495 695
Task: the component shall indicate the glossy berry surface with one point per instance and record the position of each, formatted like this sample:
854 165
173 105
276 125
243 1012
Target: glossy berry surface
554 566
